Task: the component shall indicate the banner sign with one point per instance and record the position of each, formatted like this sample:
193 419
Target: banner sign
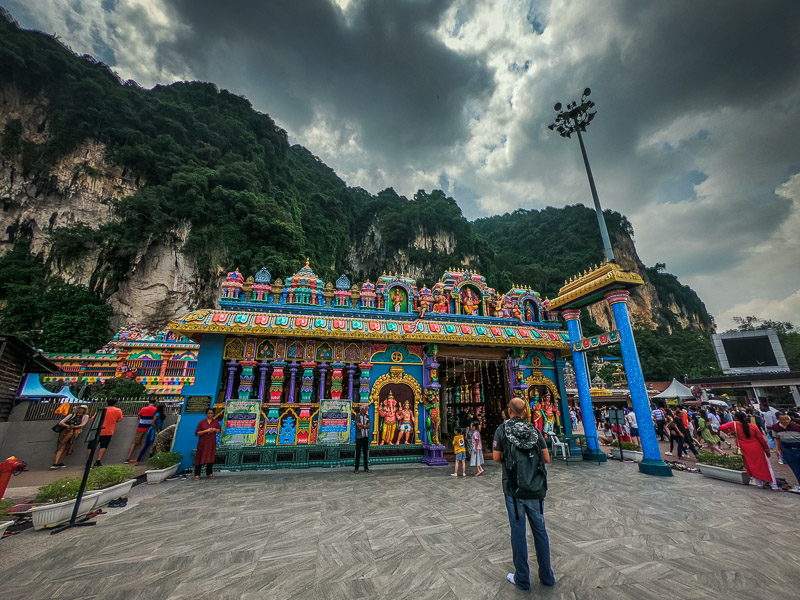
334 418
240 427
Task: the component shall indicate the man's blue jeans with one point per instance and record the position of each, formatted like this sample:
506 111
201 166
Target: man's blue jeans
519 543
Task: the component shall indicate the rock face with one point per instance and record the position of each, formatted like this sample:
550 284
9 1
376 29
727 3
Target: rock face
79 189
645 307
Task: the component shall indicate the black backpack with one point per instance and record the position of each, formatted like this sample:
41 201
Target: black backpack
527 476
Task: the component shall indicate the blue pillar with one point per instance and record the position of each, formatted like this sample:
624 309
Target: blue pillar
563 405
593 452
652 463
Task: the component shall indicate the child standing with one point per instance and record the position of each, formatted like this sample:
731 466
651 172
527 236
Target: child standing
461 453
476 459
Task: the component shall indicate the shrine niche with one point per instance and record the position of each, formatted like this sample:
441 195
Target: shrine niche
234 349
397 299
470 300
390 394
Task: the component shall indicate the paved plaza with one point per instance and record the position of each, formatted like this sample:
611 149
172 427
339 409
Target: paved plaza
416 533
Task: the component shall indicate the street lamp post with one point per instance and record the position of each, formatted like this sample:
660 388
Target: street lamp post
574 118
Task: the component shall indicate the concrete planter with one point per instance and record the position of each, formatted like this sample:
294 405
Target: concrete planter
159 475
114 492
740 477
637 456
50 515
5 525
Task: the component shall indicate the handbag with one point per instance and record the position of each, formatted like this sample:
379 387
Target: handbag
58 428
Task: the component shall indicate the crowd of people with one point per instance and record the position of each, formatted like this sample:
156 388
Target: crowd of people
149 428
752 431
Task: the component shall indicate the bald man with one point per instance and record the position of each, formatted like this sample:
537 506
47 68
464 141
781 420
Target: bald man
526 438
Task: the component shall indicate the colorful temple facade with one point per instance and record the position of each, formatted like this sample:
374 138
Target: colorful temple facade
163 363
285 365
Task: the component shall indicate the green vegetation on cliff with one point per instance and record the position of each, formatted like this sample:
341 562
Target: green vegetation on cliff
209 167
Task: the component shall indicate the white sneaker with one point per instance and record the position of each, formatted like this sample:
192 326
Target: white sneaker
780 460
795 489
668 453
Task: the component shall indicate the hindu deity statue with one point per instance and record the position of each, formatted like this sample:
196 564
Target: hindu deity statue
388 412
469 302
406 418
424 301
528 312
550 415
497 306
537 416
440 303
397 300
432 416
516 312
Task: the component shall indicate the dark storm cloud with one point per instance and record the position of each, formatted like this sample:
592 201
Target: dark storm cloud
379 67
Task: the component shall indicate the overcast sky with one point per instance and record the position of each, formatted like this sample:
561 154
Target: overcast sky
697 137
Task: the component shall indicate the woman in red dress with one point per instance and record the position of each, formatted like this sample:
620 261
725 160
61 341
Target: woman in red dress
206 433
755 449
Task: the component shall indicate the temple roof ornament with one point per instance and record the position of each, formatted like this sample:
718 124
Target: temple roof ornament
343 283
263 276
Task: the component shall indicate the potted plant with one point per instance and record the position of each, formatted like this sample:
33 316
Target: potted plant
629 450
57 500
113 481
165 464
5 520
719 466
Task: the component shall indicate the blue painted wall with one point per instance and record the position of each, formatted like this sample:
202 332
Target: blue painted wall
206 383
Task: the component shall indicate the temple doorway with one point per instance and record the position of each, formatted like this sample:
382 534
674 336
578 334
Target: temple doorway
475 387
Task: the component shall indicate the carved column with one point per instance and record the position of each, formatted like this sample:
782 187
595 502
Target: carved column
652 463
593 452
263 367
323 368
336 380
292 373
273 410
233 365
306 390
351 370
246 379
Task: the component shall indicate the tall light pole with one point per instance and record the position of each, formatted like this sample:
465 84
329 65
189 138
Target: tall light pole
574 118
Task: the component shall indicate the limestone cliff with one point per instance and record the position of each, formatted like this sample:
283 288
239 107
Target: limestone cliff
646 306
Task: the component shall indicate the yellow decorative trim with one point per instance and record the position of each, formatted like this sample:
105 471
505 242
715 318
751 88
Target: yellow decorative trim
236 323
537 378
594 279
396 375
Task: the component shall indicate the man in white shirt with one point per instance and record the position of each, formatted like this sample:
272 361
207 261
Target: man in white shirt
630 421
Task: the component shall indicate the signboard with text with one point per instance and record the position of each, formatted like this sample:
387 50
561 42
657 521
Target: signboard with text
240 427
334 419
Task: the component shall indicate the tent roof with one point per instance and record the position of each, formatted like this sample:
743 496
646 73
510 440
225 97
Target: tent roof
32 388
68 395
676 390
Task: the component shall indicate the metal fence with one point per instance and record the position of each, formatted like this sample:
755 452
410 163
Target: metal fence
45 410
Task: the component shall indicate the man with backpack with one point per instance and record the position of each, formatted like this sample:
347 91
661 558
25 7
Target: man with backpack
521 449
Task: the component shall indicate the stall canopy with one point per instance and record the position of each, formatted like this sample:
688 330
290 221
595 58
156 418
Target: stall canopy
68 395
676 390
32 388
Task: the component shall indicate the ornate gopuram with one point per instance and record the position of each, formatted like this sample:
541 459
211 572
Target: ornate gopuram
287 364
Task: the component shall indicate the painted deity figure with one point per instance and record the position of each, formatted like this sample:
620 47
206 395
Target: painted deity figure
406 418
498 306
388 412
516 312
537 417
528 313
432 417
424 305
397 301
440 303
469 302
550 415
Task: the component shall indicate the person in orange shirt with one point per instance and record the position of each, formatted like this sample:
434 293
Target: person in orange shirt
113 416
